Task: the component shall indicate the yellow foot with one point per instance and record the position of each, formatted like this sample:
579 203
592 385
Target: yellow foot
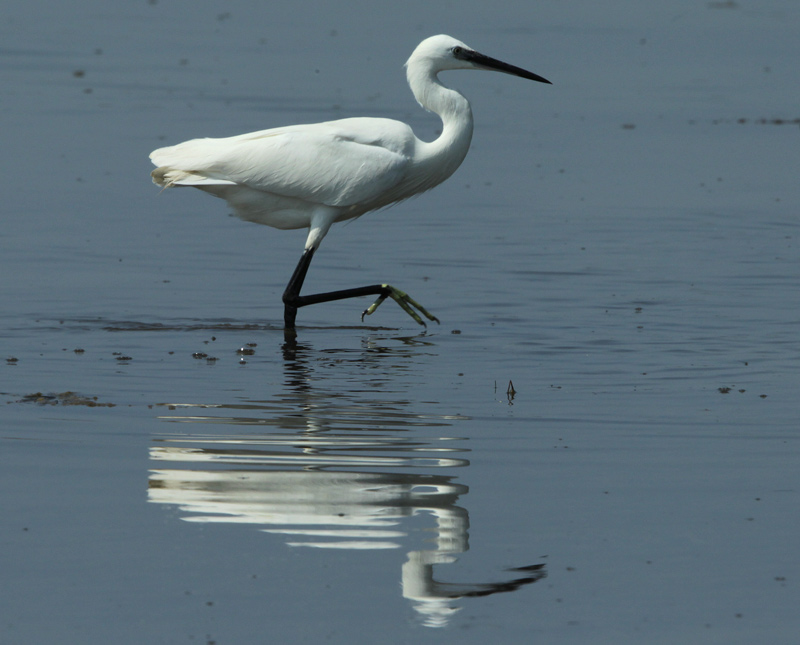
406 302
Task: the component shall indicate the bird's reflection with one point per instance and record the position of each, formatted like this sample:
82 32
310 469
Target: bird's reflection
332 469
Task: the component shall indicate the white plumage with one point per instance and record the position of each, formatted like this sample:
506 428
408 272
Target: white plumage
317 174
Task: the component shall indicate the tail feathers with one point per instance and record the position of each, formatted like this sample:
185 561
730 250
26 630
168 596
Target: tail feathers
168 177
187 164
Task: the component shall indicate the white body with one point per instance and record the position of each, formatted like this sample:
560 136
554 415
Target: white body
314 175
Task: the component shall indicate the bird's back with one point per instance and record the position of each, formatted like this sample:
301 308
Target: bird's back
345 163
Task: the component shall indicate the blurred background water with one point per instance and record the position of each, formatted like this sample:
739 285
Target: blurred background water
620 246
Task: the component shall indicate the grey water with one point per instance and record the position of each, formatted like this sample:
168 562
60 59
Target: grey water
600 441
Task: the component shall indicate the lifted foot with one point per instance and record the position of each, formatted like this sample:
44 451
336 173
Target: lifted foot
292 300
406 302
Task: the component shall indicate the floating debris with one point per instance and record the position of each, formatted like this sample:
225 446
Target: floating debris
64 398
511 391
757 121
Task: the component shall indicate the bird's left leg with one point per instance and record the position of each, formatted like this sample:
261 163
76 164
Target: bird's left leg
292 300
405 301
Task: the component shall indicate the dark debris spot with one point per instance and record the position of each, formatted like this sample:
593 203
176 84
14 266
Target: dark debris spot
64 398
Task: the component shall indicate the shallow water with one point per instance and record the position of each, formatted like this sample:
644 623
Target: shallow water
619 247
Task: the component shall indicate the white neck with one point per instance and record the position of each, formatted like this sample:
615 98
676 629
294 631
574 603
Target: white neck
444 155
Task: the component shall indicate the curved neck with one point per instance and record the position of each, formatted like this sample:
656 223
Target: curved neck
448 151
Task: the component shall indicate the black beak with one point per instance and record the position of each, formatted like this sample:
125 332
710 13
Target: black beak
487 62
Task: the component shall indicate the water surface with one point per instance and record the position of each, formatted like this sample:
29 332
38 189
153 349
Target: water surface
619 246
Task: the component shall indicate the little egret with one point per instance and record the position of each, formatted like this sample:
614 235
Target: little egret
314 175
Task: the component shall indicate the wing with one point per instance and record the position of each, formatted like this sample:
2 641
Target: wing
339 163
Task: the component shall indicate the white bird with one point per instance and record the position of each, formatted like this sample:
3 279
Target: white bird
314 175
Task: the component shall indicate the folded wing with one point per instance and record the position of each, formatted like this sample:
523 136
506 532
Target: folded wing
343 163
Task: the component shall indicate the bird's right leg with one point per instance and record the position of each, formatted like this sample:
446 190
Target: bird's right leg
291 296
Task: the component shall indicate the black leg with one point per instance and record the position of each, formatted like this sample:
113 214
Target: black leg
292 293
292 300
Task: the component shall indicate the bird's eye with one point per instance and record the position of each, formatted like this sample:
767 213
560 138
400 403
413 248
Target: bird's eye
457 50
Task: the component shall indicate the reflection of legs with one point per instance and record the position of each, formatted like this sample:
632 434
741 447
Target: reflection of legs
292 300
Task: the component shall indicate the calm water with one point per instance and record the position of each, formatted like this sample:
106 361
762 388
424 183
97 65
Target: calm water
620 246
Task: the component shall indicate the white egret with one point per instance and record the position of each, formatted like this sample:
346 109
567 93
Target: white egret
314 175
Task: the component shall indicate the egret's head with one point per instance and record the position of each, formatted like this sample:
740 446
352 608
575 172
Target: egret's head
439 53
